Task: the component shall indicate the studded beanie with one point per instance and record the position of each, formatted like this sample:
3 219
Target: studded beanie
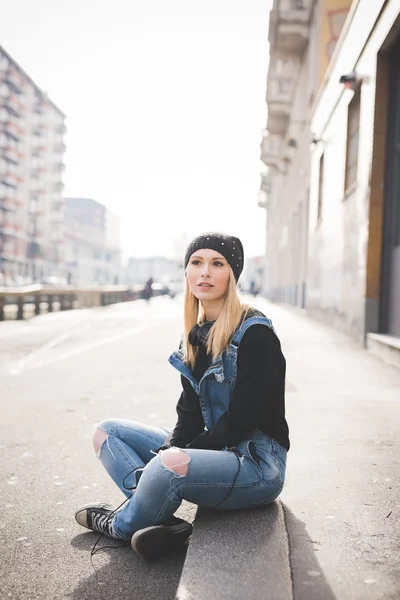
229 246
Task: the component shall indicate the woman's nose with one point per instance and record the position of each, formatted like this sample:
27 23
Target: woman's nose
205 272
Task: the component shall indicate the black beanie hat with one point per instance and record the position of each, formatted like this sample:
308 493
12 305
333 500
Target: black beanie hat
230 247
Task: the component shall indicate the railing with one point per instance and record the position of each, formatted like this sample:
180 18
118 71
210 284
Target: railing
69 297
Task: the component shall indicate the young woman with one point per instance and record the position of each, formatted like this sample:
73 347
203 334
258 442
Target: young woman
228 448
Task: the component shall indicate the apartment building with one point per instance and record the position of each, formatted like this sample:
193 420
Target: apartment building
302 37
93 246
32 148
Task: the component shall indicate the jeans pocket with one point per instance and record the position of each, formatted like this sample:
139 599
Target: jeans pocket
271 494
270 466
251 454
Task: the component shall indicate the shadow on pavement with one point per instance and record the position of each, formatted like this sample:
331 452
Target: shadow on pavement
308 579
120 573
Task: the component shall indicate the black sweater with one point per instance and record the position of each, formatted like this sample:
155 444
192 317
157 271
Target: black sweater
257 402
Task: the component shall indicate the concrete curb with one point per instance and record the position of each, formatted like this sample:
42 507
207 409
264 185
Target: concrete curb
238 554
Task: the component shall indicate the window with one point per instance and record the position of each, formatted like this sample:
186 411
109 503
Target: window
353 129
320 188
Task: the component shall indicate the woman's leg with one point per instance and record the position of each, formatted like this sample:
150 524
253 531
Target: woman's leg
203 477
123 446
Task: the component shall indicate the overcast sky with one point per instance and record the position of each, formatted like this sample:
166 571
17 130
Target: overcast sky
165 103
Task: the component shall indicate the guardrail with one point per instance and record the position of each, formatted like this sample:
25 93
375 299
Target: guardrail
69 297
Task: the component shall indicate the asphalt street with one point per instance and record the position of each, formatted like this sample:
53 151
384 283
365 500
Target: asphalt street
59 375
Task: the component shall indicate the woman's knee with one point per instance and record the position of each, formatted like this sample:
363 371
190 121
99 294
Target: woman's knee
99 437
175 460
102 431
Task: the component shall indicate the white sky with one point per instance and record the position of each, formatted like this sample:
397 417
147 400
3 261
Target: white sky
165 103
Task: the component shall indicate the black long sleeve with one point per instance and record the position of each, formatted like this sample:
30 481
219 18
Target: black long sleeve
190 420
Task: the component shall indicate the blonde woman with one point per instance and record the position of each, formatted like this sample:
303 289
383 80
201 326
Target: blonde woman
228 448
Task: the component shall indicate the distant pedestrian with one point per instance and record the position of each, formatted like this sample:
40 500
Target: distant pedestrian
148 289
253 288
228 448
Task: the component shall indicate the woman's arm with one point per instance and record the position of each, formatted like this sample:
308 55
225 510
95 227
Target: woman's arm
261 369
190 420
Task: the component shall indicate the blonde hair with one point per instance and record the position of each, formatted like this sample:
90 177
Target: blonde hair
221 333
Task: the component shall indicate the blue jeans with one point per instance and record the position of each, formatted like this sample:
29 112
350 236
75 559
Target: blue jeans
259 475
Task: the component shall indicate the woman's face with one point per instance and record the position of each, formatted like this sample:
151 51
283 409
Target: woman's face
208 275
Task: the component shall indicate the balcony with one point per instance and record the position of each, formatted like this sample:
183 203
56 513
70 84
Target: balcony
265 185
13 80
61 129
12 104
289 27
7 204
271 150
37 131
8 180
34 250
11 154
38 150
279 97
12 130
262 200
60 148
7 229
58 186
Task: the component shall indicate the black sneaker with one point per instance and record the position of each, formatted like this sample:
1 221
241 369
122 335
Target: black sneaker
153 542
97 518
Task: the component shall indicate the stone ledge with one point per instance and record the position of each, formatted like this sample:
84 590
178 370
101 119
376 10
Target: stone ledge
238 554
385 347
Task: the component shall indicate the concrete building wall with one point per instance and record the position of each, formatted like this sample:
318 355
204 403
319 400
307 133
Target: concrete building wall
302 39
340 241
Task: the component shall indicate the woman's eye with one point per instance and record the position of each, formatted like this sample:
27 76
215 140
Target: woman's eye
195 262
219 264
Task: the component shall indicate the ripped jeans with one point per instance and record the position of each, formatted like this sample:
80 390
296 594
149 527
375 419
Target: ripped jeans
208 480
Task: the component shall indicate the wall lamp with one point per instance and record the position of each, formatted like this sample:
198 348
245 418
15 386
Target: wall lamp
350 80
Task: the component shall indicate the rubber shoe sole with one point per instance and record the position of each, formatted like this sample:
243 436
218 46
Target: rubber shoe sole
81 513
153 542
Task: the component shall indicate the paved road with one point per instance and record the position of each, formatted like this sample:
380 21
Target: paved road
59 374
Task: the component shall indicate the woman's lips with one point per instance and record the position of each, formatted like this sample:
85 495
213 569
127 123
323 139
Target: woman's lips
205 285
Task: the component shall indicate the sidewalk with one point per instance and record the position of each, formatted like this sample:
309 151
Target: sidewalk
343 491
341 502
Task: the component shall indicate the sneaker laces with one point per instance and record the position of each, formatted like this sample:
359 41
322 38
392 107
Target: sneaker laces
102 523
106 525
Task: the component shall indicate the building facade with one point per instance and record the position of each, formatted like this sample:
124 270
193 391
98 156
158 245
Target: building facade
160 268
354 239
302 36
32 148
93 246
332 150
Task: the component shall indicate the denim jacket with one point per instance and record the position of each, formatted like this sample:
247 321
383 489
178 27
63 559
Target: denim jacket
216 386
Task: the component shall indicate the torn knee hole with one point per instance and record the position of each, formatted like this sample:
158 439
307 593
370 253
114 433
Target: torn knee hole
175 460
99 437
